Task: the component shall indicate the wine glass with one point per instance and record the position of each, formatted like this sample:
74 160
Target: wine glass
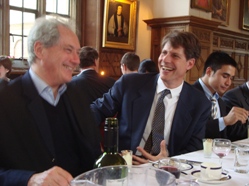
221 147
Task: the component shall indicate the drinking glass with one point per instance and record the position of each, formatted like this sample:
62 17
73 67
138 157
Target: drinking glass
221 147
170 165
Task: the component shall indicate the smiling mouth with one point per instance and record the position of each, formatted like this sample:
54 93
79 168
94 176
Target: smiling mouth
69 68
167 68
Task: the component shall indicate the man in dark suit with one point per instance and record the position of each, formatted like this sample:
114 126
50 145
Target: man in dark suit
89 77
238 97
218 74
47 132
129 63
134 97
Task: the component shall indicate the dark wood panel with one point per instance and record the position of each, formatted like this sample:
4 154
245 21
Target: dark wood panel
211 37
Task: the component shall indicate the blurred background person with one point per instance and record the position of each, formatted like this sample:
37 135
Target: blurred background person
238 97
89 80
147 66
129 63
5 68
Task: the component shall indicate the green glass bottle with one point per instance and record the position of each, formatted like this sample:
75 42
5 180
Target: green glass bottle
110 155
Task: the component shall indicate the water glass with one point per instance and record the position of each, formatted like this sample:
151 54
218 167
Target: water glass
241 163
124 175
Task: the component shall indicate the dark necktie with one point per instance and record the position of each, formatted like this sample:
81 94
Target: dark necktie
214 108
157 133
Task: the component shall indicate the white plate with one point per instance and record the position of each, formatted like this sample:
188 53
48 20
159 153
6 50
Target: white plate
185 166
196 174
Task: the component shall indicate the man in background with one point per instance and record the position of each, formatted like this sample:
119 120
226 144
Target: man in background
218 74
47 132
147 66
129 63
89 80
238 97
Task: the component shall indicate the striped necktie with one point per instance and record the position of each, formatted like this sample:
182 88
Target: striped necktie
214 108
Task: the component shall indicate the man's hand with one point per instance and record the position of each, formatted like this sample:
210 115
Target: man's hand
236 114
53 177
163 154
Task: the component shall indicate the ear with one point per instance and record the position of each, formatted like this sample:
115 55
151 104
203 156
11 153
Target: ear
124 67
38 49
209 71
190 63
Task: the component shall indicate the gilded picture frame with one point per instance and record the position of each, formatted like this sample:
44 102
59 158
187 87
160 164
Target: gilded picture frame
119 26
221 11
205 5
244 15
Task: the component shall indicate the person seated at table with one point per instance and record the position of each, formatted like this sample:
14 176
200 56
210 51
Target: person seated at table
182 110
147 66
47 131
237 97
5 68
218 74
129 63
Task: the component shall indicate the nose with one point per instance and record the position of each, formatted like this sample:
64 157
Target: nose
75 58
228 82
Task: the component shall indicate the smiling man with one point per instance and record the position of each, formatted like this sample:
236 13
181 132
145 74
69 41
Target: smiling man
47 135
134 97
218 74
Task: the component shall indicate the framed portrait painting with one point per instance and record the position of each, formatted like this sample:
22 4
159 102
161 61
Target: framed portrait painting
119 26
221 10
244 15
202 5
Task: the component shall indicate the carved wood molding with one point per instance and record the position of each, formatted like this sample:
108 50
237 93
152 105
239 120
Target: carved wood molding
183 20
211 37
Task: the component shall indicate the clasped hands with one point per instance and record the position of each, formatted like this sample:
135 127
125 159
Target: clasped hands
136 160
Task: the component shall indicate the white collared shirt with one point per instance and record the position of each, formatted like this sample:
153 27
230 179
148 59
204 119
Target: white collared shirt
170 102
46 91
209 95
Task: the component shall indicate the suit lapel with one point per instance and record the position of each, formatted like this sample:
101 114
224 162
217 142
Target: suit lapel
140 113
37 110
245 93
182 119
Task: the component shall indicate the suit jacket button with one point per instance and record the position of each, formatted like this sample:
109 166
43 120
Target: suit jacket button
53 160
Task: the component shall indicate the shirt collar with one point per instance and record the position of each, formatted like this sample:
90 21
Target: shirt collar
45 90
173 92
83 70
207 92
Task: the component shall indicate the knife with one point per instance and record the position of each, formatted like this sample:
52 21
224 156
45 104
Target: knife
188 161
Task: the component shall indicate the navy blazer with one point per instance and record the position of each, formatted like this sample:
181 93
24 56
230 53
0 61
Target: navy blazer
92 83
239 97
212 126
132 96
26 143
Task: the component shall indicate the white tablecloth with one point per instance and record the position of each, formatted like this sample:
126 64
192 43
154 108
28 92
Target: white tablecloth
238 179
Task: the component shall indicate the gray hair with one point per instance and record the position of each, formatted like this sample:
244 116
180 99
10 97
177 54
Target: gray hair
46 31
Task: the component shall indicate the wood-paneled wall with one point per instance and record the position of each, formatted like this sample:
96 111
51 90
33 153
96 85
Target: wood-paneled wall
212 38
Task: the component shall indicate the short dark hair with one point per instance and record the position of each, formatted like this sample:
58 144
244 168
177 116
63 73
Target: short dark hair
6 62
131 60
147 65
88 55
187 40
217 59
